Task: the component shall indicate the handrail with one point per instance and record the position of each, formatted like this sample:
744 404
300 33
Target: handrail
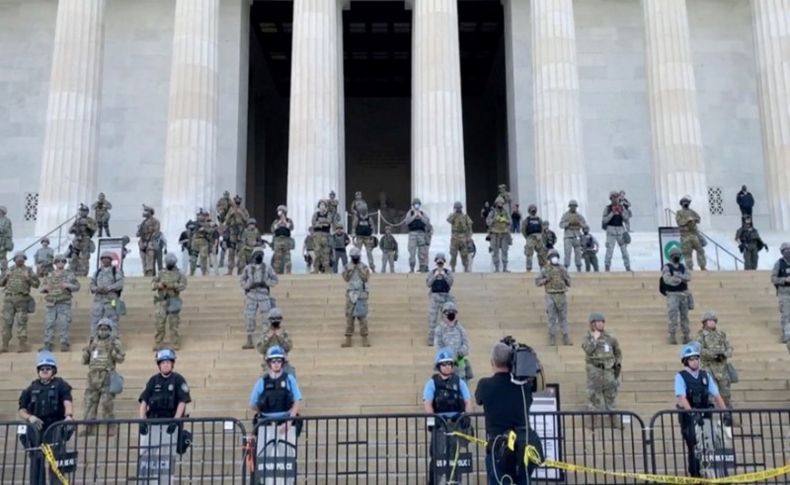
58 228
669 213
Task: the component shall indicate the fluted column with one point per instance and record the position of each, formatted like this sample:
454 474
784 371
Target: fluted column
69 161
559 164
437 134
315 139
191 157
772 45
678 164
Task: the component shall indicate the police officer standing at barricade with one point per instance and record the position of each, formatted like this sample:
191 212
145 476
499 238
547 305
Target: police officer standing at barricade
256 280
780 277
166 394
448 396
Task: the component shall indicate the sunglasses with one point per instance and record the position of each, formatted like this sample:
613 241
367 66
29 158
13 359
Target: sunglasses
692 358
442 364
46 368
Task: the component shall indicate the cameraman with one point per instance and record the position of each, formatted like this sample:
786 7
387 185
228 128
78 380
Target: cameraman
506 405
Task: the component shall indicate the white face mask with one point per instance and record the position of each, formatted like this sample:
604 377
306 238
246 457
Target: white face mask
554 260
416 206
280 213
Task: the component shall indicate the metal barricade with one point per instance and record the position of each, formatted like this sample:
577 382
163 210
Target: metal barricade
159 451
19 441
720 443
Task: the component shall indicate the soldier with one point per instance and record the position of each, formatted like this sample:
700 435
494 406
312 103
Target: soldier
419 225
308 250
148 232
614 222
256 280
389 250
507 199
201 243
331 208
531 229
363 234
6 238
161 250
223 206
83 229
44 258
499 223
340 241
780 277
283 243
356 205
101 211
101 355
603 360
572 222
749 243
17 281
322 224
452 335
548 240
461 232
168 285
57 289
235 222
356 276
674 285
439 282
213 250
716 351
275 335
556 281
250 239
690 237
106 286
589 250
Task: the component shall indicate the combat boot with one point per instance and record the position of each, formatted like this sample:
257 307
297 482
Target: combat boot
411 268
617 421
65 347
496 267
47 347
672 339
429 341
176 344
686 338
552 340
566 339
504 268
347 342
628 267
365 341
23 346
248 344
606 268
578 268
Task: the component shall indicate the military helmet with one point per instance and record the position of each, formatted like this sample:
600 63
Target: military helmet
503 186
84 208
226 194
354 252
552 252
105 322
125 239
416 201
614 193
337 226
597 317
252 221
446 354
545 223
106 254
20 254
3 209
532 207
275 352
148 209
171 259
675 250
331 193
689 350
101 195
322 202
358 193
165 354
439 257
784 247
687 198
573 203
60 257
44 240
282 208
499 200
458 205
45 357
709 315
275 314
258 249
237 198
449 307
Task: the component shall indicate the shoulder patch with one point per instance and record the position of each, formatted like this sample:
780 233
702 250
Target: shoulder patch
185 387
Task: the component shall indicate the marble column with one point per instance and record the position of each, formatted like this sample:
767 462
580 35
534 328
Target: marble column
191 156
315 139
559 163
438 176
772 46
69 162
678 164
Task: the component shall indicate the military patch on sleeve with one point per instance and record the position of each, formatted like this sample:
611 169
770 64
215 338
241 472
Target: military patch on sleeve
185 387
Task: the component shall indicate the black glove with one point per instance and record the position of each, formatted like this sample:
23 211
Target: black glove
171 428
143 429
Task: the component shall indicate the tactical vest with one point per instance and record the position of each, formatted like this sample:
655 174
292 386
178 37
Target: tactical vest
57 294
163 402
460 225
322 223
500 222
783 266
251 238
417 225
574 222
18 280
587 241
683 286
277 396
387 243
533 225
282 231
616 220
697 389
101 356
44 399
447 397
440 286
555 283
364 227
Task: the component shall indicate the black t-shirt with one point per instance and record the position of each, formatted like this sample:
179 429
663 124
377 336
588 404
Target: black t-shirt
163 394
502 403
45 401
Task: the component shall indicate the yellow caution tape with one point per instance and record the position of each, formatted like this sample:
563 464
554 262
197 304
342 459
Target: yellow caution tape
531 455
46 450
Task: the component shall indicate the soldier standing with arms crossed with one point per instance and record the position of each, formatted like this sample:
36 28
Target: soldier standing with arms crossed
715 351
419 225
101 210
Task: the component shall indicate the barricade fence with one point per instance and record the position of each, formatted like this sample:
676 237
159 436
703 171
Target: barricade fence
603 448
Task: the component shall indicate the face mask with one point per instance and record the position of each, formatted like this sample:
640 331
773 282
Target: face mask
258 258
532 213
458 211
555 260
685 206
170 266
280 213
675 259
417 207
103 333
450 316
355 259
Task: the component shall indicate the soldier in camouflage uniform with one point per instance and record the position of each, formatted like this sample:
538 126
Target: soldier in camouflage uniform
548 240
44 258
356 276
322 225
102 354
556 280
690 237
499 222
168 285
389 250
6 238
17 281
331 207
420 230
363 234
282 243
356 206
223 206
148 234
615 221
451 334
461 232
250 239
749 243
506 198
83 229
106 286
275 334
715 352
589 250
339 242
603 360
57 289
200 245
679 301
531 229
572 222
780 277
235 222
256 279
101 211
439 282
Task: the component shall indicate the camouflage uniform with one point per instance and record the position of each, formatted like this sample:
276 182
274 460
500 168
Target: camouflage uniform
419 225
438 294
389 252
58 288
780 277
676 277
690 238
17 282
499 223
506 198
168 284
101 211
101 356
357 294
548 240
531 229
461 232
322 224
235 222
148 234
222 207
257 280
363 236
201 244
270 338
106 286
589 251
750 243
615 221
45 260
283 243
454 336
83 229
556 281
331 207
715 351
356 207
603 359
339 241
572 222
6 238
250 239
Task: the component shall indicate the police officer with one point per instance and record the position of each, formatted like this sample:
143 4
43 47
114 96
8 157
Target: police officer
694 389
439 282
675 279
166 394
276 394
101 355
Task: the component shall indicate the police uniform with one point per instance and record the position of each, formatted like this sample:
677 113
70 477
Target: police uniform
448 398
274 396
697 387
164 394
46 401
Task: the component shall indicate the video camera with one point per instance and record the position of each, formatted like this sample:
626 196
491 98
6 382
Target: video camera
524 363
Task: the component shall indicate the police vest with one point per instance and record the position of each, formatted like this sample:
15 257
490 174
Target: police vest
447 397
697 389
683 286
277 396
533 225
282 231
782 273
44 400
417 225
364 227
163 402
616 220
440 286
